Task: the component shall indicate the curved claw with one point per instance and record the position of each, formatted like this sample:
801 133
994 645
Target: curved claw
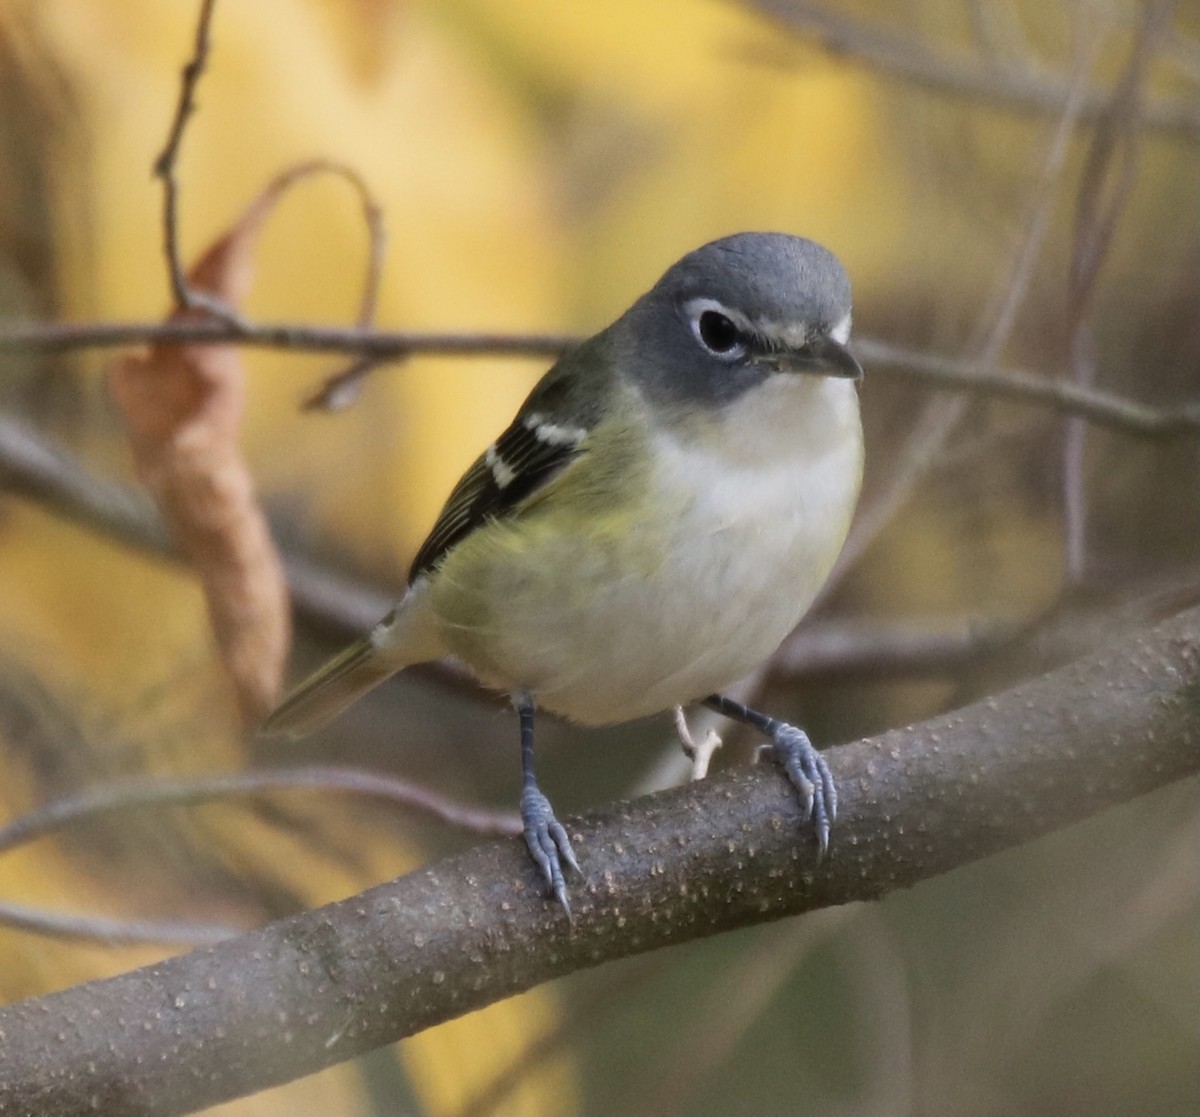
809 774
548 843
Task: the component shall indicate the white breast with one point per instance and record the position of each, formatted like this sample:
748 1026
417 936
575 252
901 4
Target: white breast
756 509
681 593
759 535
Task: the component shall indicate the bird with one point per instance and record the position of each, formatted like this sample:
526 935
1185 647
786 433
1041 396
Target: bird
663 509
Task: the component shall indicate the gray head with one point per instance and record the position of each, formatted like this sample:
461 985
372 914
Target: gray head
735 312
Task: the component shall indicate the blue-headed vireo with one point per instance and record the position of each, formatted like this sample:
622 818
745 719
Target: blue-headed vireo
656 519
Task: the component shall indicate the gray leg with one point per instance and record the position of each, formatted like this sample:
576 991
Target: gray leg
548 843
805 767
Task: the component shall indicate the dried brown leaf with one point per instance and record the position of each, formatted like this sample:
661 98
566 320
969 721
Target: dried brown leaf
183 407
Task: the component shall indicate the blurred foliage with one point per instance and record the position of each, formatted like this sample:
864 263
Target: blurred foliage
540 163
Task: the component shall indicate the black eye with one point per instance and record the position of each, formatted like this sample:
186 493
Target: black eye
718 333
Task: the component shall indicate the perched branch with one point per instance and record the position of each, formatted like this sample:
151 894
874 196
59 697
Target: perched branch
324 986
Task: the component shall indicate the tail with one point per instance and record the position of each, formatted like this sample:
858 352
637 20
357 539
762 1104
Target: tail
329 690
409 634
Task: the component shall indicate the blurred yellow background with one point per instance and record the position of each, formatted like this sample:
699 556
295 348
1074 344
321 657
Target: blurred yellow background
540 163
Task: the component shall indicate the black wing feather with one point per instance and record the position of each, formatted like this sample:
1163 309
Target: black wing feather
478 496
549 432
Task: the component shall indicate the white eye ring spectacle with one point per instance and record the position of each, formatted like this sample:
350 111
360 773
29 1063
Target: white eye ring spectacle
717 330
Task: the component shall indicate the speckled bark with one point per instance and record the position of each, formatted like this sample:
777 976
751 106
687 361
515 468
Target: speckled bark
326 985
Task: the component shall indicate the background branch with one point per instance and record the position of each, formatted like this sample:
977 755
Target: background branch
185 295
69 925
193 790
909 58
382 346
321 987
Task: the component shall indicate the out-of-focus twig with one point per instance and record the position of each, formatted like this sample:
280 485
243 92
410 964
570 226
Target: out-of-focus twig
155 791
906 57
331 602
940 418
342 388
1118 138
191 791
849 650
978 377
67 925
735 1001
576 1020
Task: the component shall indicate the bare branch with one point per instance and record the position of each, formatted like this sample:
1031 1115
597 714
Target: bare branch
329 984
342 388
382 345
841 650
155 791
883 359
65 925
34 467
1116 140
185 296
329 601
939 418
979 378
908 58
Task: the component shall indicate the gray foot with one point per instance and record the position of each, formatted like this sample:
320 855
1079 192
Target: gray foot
809 774
548 843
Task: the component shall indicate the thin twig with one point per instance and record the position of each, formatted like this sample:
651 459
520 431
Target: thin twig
896 54
940 418
383 345
883 358
155 791
1118 136
979 377
342 388
67 925
185 296
698 752
858 650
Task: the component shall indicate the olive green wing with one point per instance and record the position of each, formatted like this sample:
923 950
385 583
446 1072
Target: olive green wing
549 432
